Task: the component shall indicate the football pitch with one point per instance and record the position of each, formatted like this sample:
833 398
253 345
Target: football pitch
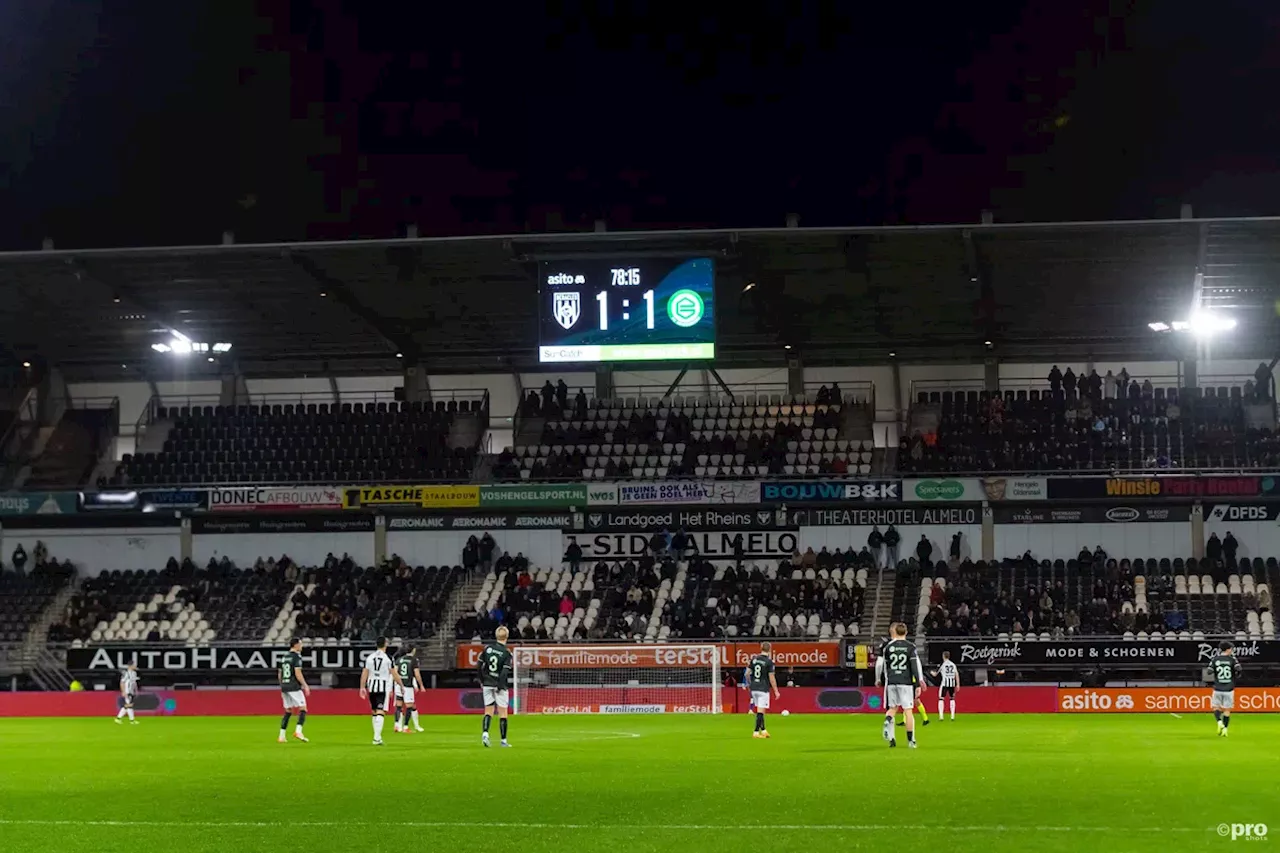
636 783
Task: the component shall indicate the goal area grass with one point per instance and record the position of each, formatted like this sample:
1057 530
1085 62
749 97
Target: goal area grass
636 783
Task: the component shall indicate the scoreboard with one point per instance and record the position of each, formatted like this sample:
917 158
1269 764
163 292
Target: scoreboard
643 310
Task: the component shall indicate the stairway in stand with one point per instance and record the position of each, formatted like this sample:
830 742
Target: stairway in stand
439 652
882 609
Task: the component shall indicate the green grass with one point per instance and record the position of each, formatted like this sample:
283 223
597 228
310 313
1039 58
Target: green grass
989 783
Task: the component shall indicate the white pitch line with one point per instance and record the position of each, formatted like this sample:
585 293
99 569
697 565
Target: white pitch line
628 827
1171 714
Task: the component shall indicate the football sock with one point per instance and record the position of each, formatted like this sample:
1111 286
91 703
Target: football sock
1226 722
121 714
939 707
911 736
414 714
397 718
1217 715
378 722
759 721
284 722
487 720
953 710
924 715
502 727
302 718
130 712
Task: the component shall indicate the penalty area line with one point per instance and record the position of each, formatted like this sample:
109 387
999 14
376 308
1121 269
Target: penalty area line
627 827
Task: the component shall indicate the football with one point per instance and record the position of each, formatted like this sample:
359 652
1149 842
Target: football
786 713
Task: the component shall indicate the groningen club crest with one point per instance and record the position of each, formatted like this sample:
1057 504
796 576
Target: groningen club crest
567 308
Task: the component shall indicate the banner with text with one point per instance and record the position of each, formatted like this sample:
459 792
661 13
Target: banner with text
1161 700
897 516
275 498
267 523
1101 514
561 496
425 497
656 518
1015 488
489 521
38 503
713 546
557 656
700 492
1111 653
830 491
945 490
1160 488
212 658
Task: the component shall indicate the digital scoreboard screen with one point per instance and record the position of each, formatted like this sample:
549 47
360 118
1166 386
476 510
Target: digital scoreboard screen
647 310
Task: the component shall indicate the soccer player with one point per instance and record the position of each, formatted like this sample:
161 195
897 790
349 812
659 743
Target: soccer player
410 677
920 709
1225 668
949 683
761 680
900 671
293 689
128 690
375 685
495 675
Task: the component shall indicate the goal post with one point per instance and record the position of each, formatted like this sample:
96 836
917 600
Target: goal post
618 679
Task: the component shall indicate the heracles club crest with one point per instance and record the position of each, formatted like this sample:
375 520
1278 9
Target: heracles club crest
567 308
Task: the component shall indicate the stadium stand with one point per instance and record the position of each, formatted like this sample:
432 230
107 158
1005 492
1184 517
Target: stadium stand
24 597
664 599
312 443
1025 599
1047 430
73 450
268 602
655 437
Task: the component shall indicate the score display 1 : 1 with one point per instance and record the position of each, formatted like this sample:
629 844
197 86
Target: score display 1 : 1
603 298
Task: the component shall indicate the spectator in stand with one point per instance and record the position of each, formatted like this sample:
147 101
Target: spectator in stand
875 542
580 405
566 604
562 395
924 548
679 543
659 542
1262 381
809 560
955 549
1229 548
19 560
1109 384
1122 382
837 396
471 553
1069 383
1213 548
573 554
892 539
520 563
42 554
486 549
1148 390
548 395
1092 386
1055 379
1264 600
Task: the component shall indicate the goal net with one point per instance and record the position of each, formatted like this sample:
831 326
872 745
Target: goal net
644 679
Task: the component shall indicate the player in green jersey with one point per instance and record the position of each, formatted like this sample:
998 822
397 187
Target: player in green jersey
495 666
294 689
407 668
1224 669
762 682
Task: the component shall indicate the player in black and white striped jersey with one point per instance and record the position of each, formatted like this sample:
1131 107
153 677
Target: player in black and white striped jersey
128 691
376 681
948 675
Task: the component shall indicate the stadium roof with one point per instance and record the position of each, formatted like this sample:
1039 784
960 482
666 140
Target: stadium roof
1057 291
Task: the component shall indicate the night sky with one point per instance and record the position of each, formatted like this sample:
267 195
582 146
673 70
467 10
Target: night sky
151 122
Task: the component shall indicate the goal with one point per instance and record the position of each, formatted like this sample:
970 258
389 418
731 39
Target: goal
643 679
